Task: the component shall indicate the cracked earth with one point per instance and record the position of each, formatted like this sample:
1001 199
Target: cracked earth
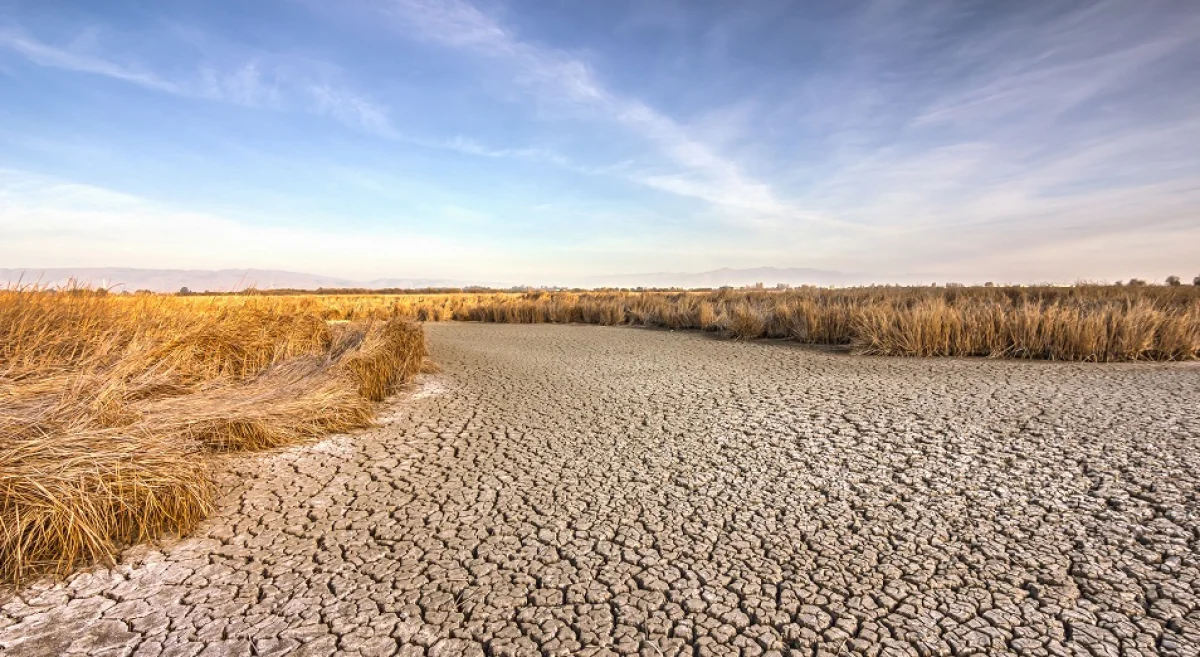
590 490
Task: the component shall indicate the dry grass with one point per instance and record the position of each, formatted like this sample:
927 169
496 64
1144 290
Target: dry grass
109 406
73 496
384 357
1083 323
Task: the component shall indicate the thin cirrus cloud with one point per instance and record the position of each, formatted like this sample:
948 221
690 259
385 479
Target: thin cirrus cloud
259 80
1040 120
556 78
47 55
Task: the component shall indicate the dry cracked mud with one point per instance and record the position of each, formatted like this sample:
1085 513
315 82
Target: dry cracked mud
588 490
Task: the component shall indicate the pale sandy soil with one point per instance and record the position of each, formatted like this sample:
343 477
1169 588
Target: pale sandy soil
589 490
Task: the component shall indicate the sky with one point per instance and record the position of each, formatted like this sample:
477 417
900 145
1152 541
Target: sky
545 141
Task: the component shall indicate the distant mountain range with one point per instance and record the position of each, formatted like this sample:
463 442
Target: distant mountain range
768 276
221 280
232 280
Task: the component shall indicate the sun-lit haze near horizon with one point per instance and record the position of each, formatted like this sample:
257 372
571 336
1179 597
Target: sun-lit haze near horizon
554 142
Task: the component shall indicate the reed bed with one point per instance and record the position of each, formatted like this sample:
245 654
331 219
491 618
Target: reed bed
1079 323
110 407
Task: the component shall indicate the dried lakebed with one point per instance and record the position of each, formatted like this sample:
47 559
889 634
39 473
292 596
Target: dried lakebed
589 490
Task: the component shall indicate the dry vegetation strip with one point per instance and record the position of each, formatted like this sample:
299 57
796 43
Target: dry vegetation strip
1082 323
109 405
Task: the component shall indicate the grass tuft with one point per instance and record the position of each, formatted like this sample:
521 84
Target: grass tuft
71 496
388 354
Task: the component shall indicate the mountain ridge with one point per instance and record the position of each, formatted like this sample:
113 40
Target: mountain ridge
202 280
233 280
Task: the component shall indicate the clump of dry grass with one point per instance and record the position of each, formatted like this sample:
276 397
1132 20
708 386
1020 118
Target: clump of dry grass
706 316
747 322
109 405
297 401
71 495
387 354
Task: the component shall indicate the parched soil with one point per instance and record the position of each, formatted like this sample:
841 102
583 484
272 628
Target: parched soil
589 490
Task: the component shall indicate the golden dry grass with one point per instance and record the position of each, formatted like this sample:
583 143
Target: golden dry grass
109 406
1082 323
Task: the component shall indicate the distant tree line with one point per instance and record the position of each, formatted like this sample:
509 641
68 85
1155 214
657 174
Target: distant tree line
1172 281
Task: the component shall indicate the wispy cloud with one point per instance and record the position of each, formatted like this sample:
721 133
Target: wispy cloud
558 80
993 135
468 146
1054 63
259 81
43 54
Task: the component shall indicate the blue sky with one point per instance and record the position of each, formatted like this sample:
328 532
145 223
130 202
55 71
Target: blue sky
547 141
